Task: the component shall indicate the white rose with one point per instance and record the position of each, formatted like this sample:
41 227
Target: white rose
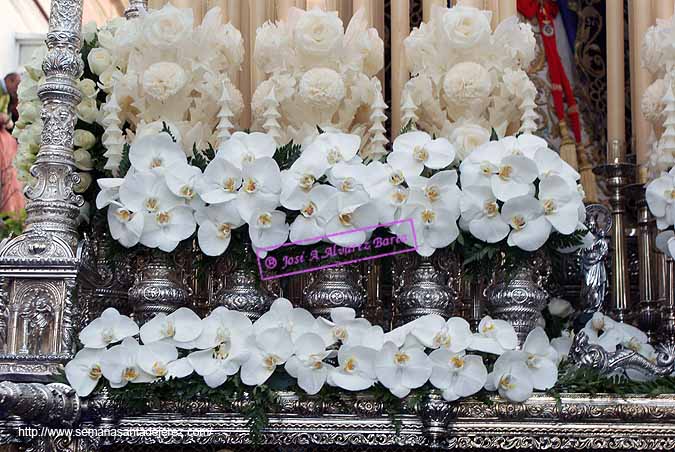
168 26
467 83
271 43
84 139
106 39
420 89
107 79
467 136
29 111
318 34
466 27
420 53
31 134
87 110
163 80
87 87
83 160
560 308
34 66
83 185
89 31
652 100
99 60
322 88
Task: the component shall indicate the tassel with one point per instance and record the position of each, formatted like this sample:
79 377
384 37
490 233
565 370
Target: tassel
588 181
568 150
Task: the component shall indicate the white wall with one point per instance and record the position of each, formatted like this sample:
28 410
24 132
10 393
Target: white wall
20 17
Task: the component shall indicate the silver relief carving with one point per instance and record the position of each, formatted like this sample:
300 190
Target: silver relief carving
332 288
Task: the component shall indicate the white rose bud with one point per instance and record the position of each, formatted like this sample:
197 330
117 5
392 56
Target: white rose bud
83 185
87 110
34 67
99 60
89 31
84 139
560 308
87 87
83 160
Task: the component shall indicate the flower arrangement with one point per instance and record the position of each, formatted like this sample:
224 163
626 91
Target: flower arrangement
320 75
160 68
468 80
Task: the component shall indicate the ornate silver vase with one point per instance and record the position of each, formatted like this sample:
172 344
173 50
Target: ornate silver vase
242 292
158 289
520 298
334 287
421 289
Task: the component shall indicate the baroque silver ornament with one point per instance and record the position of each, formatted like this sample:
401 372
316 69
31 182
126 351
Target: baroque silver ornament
334 287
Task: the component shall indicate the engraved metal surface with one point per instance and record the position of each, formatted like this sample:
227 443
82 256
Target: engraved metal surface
334 287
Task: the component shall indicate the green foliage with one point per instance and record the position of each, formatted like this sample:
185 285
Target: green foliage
167 130
125 164
582 380
408 127
12 223
287 154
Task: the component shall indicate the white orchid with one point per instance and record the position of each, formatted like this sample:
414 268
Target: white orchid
179 328
353 214
125 226
660 195
433 331
245 148
260 188
119 364
110 191
511 377
560 202
223 325
541 359
221 182
107 329
457 374
165 229
282 314
155 153
160 359
494 336
560 308
563 344
665 242
343 327
435 227
216 223
381 179
414 151
481 216
529 227
549 163
183 181
356 368
84 370
439 190
147 192
299 179
268 349
524 144
307 363
331 148
267 228
318 208
401 370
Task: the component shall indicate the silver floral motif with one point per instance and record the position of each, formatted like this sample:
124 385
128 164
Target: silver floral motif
243 293
520 297
332 288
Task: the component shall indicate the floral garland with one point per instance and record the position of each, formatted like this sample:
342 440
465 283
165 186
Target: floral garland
468 80
320 74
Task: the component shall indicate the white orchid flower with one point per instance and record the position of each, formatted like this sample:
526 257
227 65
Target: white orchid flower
179 328
220 183
524 144
260 188
549 163
481 216
110 191
267 228
603 331
494 336
511 377
457 374
435 227
560 203
298 181
147 192
343 327
155 153
541 359
317 209
165 229
660 195
125 226
331 148
348 176
282 314
183 181
269 349
84 370
354 210
223 325
401 370
439 190
119 364
216 223
560 308
506 174
307 365
529 227
356 368
665 242
381 179
413 151
243 148
435 332
107 329
160 360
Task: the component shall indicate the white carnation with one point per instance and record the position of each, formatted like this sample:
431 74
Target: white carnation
374 60
318 35
271 43
99 60
163 80
168 26
652 52
518 39
465 27
467 84
467 136
322 88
